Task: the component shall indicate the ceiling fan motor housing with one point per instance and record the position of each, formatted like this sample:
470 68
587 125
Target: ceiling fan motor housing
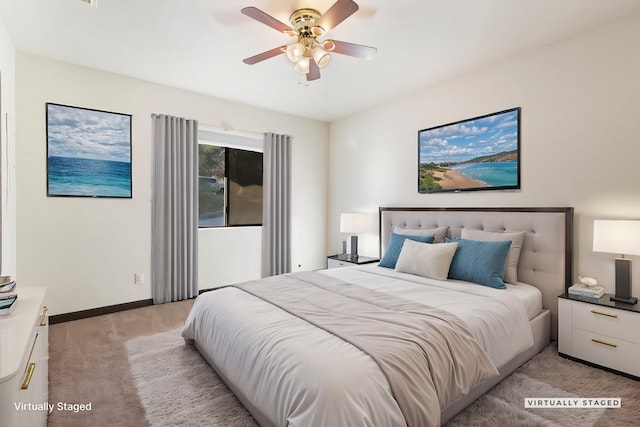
304 20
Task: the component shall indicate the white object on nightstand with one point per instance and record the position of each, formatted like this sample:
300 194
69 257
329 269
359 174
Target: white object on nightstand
600 333
24 360
587 281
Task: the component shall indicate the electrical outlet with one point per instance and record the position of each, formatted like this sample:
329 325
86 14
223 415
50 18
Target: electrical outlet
138 279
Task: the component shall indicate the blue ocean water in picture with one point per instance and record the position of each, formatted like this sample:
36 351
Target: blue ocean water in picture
498 174
70 176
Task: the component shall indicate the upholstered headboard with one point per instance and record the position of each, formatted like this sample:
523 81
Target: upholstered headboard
546 259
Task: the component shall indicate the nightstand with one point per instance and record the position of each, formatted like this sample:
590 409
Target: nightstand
601 332
346 260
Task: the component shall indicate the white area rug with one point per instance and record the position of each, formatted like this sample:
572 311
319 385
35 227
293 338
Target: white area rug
177 387
504 406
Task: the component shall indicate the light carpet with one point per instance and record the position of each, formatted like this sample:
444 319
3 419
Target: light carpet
177 387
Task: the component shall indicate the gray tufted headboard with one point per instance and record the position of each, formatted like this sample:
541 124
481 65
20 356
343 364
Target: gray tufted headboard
546 259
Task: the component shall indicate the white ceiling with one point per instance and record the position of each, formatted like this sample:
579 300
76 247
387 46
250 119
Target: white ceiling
199 45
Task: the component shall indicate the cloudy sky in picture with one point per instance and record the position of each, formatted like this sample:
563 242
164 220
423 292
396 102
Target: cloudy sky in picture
469 139
88 134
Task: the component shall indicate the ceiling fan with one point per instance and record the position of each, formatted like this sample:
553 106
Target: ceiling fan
307 25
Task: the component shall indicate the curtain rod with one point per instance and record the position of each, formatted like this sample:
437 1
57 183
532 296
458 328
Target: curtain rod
206 126
215 128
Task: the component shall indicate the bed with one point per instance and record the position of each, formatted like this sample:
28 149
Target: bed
318 348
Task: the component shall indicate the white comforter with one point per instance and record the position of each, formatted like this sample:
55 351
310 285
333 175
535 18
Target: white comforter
298 375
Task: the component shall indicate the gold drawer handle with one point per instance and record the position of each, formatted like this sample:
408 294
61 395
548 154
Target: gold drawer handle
27 379
604 314
43 318
604 342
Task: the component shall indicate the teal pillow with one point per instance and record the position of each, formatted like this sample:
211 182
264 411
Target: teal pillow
395 246
480 262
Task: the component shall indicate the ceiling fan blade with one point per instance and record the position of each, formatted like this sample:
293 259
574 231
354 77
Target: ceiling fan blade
266 19
351 49
264 55
314 71
341 10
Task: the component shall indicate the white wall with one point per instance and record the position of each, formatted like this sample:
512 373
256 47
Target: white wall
86 251
7 153
580 147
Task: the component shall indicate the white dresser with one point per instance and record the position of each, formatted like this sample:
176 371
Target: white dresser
24 359
601 332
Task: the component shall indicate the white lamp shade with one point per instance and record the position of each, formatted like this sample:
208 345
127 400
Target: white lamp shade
616 236
353 222
321 57
302 66
295 51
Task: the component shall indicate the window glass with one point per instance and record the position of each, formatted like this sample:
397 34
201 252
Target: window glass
229 186
211 195
244 172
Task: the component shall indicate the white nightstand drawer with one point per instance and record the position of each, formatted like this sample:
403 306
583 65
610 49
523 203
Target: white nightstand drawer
334 263
607 321
607 351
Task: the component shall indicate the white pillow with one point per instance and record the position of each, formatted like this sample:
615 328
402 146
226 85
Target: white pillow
426 259
440 233
517 239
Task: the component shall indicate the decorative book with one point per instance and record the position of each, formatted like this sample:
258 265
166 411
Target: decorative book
7 290
7 287
587 291
8 305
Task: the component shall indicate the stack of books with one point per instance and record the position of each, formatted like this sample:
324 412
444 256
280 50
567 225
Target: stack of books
586 291
8 295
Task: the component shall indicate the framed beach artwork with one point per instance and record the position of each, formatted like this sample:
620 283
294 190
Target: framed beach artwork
88 152
482 153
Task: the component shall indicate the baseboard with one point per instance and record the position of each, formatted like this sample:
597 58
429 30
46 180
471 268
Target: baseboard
83 314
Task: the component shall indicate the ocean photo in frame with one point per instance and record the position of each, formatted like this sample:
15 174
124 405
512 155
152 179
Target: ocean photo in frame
482 153
88 152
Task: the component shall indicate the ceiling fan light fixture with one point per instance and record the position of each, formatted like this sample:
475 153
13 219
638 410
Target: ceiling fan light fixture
302 66
328 45
307 53
321 56
318 31
295 51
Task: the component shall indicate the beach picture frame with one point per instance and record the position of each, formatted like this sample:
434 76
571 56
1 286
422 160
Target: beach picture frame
481 153
88 152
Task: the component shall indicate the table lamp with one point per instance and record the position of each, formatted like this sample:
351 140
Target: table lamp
353 223
622 237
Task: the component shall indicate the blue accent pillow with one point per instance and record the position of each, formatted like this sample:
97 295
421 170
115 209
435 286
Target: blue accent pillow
480 262
395 246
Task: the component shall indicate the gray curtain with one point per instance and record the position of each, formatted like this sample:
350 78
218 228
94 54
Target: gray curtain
174 233
276 212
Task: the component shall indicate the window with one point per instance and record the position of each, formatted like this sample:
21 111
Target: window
211 176
244 172
229 184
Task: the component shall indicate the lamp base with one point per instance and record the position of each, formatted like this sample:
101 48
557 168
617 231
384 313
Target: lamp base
632 300
354 247
623 282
